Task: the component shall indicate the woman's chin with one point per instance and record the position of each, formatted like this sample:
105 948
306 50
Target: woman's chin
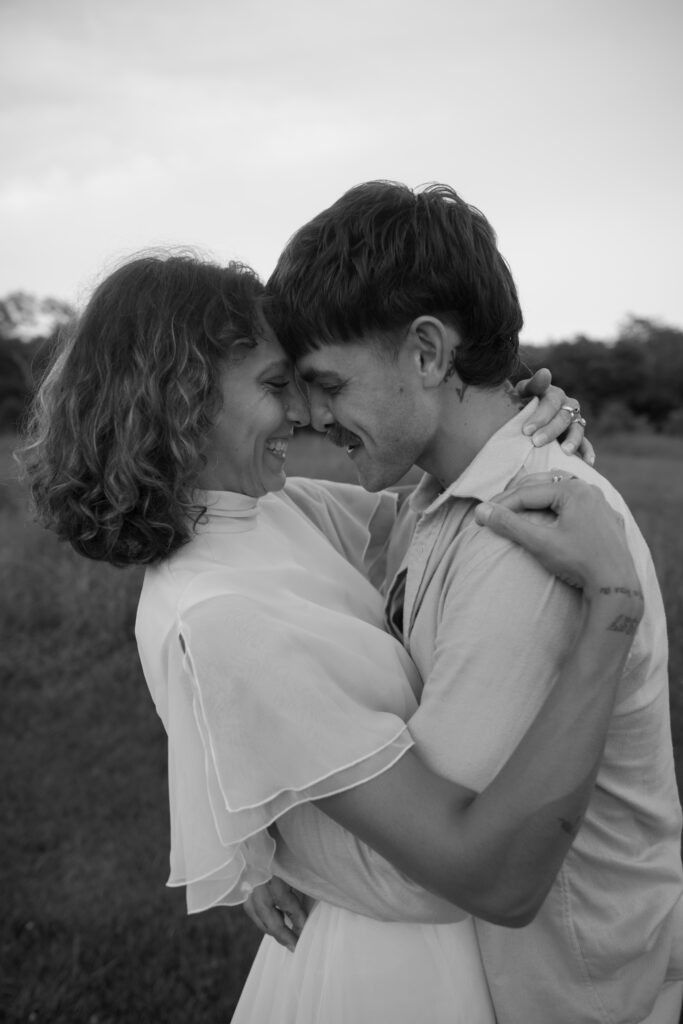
275 481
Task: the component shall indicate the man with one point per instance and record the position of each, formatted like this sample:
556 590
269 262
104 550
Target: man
405 319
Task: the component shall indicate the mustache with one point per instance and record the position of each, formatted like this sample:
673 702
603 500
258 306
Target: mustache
341 438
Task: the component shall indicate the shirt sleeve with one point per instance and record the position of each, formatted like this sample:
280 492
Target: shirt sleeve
356 522
502 627
268 707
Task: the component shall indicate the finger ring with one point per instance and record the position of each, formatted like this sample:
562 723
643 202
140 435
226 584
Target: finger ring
556 478
581 421
574 412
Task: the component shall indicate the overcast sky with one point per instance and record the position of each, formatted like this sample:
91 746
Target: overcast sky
225 124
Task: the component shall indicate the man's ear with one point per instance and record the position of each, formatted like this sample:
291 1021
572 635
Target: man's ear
431 345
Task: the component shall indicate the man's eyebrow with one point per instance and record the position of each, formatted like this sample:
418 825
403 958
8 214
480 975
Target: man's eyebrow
312 375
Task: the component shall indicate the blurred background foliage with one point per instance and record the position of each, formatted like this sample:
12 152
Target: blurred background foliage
632 383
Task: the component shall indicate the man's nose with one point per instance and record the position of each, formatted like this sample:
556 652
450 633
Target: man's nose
321 416
296 405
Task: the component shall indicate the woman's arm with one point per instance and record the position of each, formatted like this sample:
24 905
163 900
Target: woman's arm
496 854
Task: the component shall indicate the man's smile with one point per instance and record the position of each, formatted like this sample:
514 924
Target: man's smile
344 439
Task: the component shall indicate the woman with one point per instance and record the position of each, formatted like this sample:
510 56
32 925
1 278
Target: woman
160 438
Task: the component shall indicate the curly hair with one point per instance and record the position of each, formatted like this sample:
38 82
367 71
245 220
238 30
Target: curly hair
114 438
383 255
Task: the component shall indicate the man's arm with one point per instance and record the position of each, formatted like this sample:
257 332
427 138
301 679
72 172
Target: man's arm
496 854
503 627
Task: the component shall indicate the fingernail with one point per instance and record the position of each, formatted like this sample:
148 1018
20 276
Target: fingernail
291 946
528 428
591 460
538 439
568 448
482 513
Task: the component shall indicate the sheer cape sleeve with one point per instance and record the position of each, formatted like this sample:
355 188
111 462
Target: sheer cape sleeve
268 706
356 522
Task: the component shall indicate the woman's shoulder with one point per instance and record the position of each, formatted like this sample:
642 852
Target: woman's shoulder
166 583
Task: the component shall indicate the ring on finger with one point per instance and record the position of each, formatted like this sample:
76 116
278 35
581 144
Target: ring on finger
556 478
581 421
574 412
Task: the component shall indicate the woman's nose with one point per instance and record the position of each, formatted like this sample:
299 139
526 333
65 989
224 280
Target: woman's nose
297 409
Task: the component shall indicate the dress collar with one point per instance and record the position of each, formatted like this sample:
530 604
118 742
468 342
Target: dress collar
227 511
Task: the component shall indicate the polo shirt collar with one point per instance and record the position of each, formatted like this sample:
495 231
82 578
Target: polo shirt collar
488 473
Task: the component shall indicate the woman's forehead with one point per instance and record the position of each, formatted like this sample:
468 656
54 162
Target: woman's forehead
268 338
271 349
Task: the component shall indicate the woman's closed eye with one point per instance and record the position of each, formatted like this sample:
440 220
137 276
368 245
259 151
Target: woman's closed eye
279 384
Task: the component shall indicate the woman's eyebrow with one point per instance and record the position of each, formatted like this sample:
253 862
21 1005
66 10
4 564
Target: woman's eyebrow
277 366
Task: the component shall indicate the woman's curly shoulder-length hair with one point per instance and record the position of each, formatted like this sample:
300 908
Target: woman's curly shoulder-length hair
114 440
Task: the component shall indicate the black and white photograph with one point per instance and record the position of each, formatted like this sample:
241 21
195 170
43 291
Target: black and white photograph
341 491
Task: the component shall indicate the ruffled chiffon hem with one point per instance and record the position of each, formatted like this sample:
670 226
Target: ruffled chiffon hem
248 858
253 733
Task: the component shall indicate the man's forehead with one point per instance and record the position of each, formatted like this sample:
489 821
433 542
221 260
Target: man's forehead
331 360
318 361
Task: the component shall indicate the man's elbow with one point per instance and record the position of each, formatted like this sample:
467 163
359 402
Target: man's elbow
508 907
515 917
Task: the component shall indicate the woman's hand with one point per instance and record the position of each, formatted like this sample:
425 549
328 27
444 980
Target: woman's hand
556 414
584 543
278 910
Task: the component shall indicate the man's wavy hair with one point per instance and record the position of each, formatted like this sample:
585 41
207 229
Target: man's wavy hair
115 436
383 255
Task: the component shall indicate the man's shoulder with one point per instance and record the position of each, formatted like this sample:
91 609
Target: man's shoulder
476 561
551 456
479 547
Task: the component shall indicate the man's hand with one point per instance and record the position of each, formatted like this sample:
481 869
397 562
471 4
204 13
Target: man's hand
278 910
556 415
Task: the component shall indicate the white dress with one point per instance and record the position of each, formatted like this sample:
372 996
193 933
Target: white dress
263 650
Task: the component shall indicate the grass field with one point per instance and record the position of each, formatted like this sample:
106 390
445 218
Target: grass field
88 933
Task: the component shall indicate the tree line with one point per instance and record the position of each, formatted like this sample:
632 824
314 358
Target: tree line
632 382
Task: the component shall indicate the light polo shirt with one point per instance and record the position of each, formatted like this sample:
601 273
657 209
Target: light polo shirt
488 629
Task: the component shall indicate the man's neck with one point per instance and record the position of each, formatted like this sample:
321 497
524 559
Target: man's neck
469 418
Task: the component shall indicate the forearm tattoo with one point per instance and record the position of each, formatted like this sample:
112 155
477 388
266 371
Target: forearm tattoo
622 590
624 624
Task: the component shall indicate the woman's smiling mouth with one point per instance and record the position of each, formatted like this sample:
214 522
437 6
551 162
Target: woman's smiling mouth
277 446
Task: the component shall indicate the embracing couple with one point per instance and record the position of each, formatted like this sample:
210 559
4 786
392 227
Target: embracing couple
443 721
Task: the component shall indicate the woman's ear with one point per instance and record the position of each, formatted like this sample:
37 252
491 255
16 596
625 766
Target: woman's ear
431 344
